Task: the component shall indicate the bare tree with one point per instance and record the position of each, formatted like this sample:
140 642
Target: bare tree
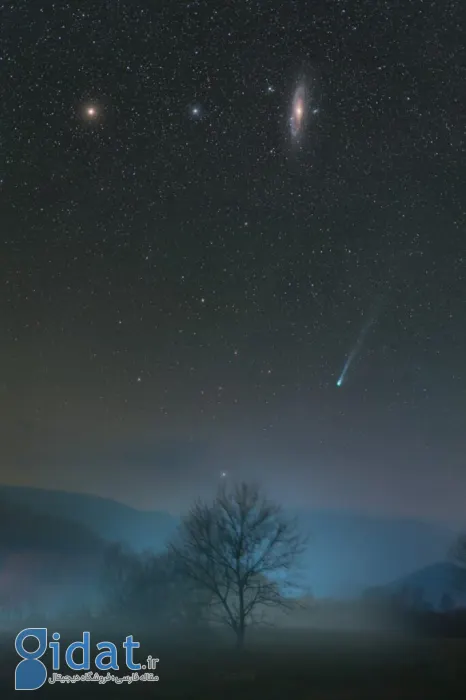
240 550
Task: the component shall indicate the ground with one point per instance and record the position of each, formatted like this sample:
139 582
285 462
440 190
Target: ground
284 664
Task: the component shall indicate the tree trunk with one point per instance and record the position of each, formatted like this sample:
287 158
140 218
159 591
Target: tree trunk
240 632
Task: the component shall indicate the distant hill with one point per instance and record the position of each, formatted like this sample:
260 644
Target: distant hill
109 519
23 526
440 586
348 552
46 561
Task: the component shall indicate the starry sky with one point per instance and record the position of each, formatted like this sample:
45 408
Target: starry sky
187 261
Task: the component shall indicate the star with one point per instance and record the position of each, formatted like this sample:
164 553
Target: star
196 112
90 112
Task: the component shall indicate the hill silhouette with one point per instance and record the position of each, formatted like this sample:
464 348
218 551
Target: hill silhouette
46 562
109 519
434 586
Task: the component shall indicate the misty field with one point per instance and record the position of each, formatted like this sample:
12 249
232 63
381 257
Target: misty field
291 664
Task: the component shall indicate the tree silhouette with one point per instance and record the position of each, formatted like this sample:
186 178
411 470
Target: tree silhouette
447 603
147 587
458 553
239 550
458 557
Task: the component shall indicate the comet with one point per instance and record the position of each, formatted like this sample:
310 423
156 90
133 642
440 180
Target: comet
354 352
359 343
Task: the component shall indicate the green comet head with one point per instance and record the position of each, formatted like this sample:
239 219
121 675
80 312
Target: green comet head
340 381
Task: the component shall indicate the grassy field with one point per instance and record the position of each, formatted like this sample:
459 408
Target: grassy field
285 664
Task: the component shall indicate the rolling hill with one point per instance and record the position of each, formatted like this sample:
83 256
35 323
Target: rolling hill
440 586
46 562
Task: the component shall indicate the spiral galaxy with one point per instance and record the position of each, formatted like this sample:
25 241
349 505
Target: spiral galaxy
298 112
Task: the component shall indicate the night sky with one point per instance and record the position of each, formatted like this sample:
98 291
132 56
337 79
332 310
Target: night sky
205 209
